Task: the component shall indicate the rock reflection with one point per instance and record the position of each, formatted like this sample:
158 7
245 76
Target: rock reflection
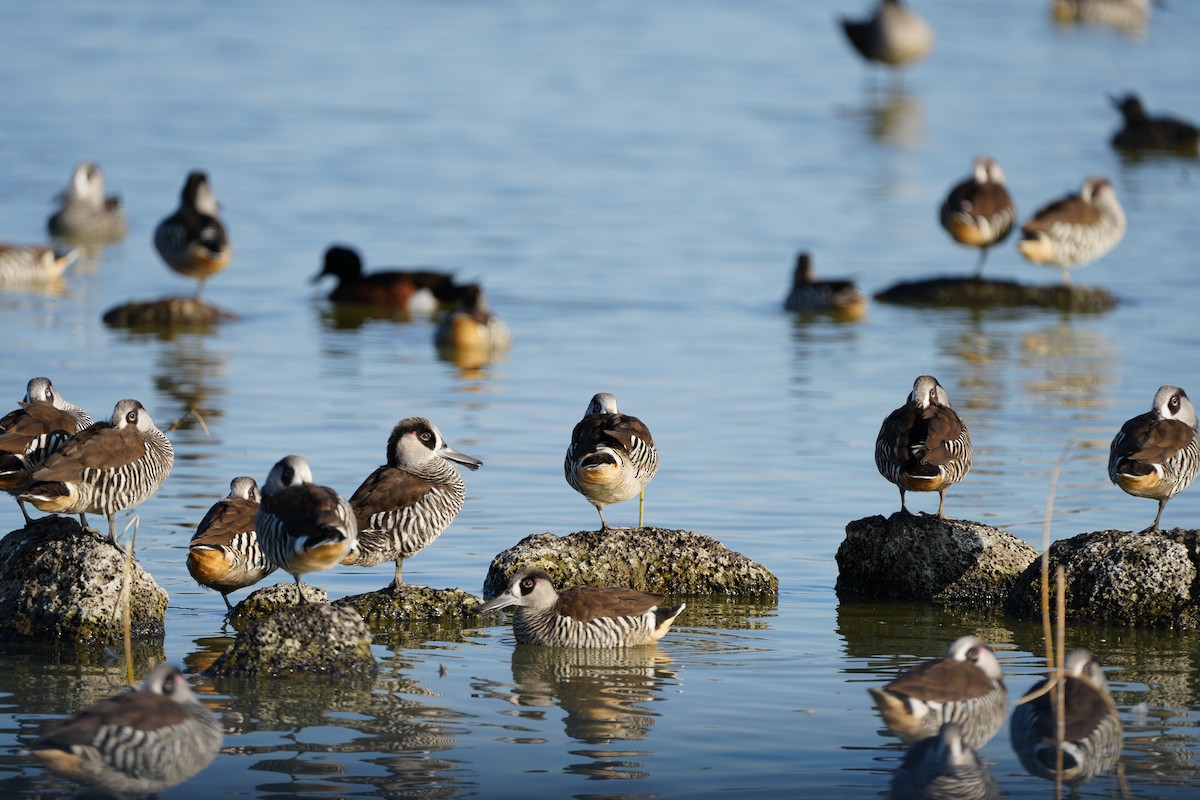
1071 366
191 377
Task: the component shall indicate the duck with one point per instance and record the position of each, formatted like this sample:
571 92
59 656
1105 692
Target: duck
138 742
1157 454
1129 15
965 686
1092 727
106 468
1144 132
979 212
611 458
895 36
416 291
1075 230
943 767
472 327
303 527
193 240
582 616
924 446
34 265
31 433
224 553
404 505
85 214
840 298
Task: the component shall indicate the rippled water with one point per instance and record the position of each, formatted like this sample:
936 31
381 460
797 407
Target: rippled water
630 182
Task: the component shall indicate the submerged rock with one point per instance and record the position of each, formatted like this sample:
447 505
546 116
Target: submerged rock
59 582
169 312
658 560
919 557
1120 578
311 638
984 293
388 606
262 603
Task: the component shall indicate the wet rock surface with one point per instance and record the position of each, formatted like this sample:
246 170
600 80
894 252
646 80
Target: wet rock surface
169 312
59 582
984 293
1145 578
388 606
672 562
919 557
312 638
262 603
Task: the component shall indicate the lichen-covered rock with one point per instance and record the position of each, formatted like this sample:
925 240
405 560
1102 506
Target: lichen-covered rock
312 638
919 557
389 606
670 562
169 312
59 582
262 603
973 293
1120 578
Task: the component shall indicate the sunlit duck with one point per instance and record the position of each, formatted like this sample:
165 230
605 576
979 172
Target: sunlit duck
582 616
965 686
418 291
105 468
840 298
979 211
1130 15
1076 230
894 36
943 767
1157 454
923 446
406 503
85 214
1092 736
302 527
1144 132
135 743
31 433
472 325
611 457
32 265
224 553
193 240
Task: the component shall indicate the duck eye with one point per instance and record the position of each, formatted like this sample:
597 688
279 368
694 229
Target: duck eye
1174 403
288 475
973 654
426 436
131 418
527 583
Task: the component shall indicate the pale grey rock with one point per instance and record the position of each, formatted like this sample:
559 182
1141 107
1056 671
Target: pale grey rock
307 639
262 603
921 557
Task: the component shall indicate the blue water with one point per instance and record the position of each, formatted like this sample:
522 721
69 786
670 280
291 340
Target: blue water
630 182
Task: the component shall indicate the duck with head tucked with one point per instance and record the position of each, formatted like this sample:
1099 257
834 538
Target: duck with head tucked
86 215
193 240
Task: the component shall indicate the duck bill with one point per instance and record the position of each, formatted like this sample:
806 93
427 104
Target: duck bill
502 600
460 458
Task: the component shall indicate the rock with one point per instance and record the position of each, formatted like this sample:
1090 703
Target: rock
59 582
388 606
972 293
1119 578
672 562
169 312
262 603
312 638
920 557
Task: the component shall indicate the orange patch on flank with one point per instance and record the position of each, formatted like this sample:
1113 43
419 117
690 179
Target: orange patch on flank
207 565
1039 251
55 505
1139 484
465 331
911 483
323 556
60 761
967 233
599 475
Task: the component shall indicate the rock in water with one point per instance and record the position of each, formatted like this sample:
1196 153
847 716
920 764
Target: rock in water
309 638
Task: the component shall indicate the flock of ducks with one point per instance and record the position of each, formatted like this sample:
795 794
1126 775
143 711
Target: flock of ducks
948 708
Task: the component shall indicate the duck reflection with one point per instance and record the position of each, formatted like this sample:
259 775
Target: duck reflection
893 117
191 378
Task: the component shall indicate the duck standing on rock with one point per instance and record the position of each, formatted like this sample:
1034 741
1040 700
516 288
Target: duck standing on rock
135 743
1144 132
224 553
923 446
415 291
86 215
1157 454
1076 230
405 504
1092 728
611 458
302 527
896 35
193 240
839 297
965 686
105 468
979 212
32 433
582 616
